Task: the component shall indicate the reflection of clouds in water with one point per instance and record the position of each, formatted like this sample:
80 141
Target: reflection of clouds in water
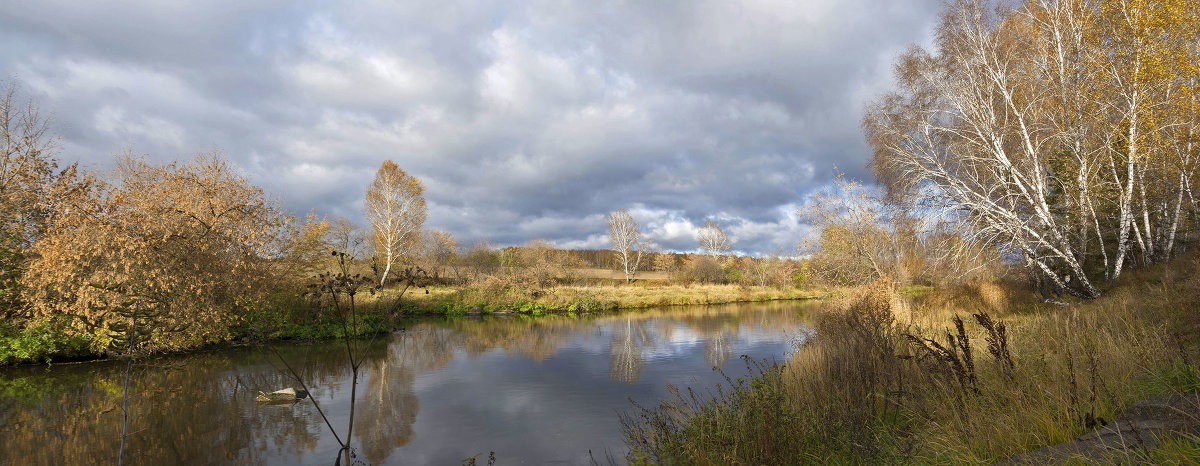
630 339
542 389
668 332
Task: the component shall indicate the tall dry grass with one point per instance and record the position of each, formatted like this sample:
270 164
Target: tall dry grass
971 374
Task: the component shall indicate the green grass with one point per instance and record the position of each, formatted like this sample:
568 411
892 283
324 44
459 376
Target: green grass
1176 377
1171 450
38 344
915 290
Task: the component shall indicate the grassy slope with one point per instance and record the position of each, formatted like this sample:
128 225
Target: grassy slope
874 387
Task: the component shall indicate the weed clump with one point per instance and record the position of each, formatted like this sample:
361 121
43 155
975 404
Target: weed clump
824 404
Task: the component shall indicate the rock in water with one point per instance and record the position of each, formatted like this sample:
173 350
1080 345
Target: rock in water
287 395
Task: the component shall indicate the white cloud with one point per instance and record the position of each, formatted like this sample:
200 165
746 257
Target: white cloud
524 119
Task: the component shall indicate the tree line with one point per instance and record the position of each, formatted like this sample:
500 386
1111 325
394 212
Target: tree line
1060 136
187 253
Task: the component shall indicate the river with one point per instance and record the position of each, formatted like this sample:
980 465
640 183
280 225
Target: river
543 390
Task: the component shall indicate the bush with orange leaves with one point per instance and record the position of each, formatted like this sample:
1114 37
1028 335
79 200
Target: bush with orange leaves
168 254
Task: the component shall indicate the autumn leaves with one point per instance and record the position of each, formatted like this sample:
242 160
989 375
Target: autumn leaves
174 252
1064 133
395 209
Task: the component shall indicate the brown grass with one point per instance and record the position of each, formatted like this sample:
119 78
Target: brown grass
617 275
937 382
591 298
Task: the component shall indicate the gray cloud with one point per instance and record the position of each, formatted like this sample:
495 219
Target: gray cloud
525 119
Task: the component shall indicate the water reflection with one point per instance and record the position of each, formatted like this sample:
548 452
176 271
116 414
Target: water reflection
627 350
539 390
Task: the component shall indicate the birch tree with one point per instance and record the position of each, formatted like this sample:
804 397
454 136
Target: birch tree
627 242
712 239
1059 130
395 208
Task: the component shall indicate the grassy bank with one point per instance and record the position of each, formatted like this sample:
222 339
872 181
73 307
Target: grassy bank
45 344
974 374
38 344
509 299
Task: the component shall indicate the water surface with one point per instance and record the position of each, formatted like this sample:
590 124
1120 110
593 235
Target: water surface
534 390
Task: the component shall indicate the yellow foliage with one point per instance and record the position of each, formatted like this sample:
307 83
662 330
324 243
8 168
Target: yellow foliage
174 250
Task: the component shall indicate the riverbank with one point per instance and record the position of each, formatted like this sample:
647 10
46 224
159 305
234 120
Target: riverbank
289 320
564 299
976 374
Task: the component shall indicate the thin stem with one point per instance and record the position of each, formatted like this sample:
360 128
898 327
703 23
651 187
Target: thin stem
125 392
354 375
310 395
353 396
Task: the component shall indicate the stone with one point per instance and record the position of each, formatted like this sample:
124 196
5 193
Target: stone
1143 425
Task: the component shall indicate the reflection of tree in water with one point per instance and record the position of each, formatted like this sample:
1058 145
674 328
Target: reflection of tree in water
719 330
388 410
626 348
180 408
389 405
537 338
718 347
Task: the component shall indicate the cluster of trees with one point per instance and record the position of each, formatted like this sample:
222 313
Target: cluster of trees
164 254
632 251
863 237
170 255
1061 133
174 251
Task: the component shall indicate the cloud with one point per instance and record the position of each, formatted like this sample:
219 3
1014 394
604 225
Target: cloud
524 119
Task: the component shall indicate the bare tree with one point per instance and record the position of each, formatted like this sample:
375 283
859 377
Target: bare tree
438 251
712 238
538 264
858 240
627 242
346 236
395 206
481 260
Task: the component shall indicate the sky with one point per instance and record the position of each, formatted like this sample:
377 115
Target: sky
525 120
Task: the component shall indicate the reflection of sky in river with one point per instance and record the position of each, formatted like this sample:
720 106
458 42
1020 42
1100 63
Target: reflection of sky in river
535 391
556 410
